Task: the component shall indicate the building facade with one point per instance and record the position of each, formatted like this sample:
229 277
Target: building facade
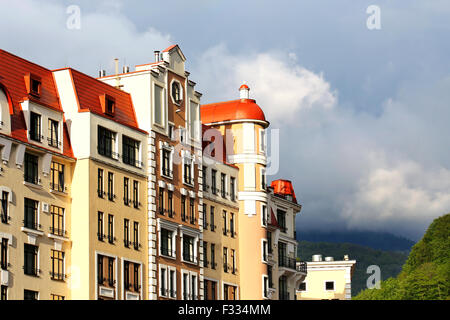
327 279
285 273
167 106
36 176
242 124
220 233
109 236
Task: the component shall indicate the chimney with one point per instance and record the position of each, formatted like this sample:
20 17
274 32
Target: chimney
116 63
156 56
244 91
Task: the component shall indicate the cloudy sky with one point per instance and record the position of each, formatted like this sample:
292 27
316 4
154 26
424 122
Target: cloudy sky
363 114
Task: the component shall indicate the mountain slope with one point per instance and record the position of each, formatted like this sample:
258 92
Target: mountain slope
426 273
372 239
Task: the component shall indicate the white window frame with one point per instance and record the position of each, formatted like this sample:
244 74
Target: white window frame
195 133
163 267
167 147
163 104
264 244
265 279
188 157
170 268
262 215
262 141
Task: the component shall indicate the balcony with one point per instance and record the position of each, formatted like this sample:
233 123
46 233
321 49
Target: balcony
58 232
58 187
53 142
57 276
302 267
286 262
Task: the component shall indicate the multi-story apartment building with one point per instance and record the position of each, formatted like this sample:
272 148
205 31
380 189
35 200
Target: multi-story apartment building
284 273
327 279
242 124
167 106
35 184
109 189
220 223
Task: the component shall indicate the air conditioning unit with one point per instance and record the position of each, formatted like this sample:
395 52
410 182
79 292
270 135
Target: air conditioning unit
45 207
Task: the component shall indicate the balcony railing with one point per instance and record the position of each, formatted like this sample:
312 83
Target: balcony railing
302 267
189 258
57 276
287 262
31 225
30 271
58 231
53 142
58 187
167 252
132 162
5 218
167 173
33 178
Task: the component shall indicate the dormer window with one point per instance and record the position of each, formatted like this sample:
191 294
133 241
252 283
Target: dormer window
35 126
33 84
176 92
108 104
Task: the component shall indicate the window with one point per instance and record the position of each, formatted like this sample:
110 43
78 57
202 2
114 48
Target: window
265 287
166 163
188 249
111 280
204 179
224 216
126 191
161 201
100 278
126 233
4 293
264 250
283 259
166 243
191 211
204 215
264 215
30 295
136 285
188 171
225 291
269 242
233 260
4 254
57 177
205 254
283 293
111 237
136 202
194 287
110 105
130 150
262 141
170 203
222 184
302 286
111 194
56 297
194 120
35 85
4 212
213 256
232 188
31 168
232 233
263 179
281 219
176 92
100 234
57 227
213 290
183 207
126 275
185 286
136 235
100 190
171 132
106 143
31 260
172 284
163 284
159 108
213 181
31 214
57 258
35 127
211 219
53 133
270 276
225 259
329 285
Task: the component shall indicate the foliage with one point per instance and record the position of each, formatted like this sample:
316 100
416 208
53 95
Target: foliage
425 274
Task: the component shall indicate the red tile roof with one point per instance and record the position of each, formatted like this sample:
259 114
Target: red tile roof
88 91
13 70
283 188
242 109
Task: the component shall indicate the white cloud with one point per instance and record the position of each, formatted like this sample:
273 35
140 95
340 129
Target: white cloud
280 86
43 37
